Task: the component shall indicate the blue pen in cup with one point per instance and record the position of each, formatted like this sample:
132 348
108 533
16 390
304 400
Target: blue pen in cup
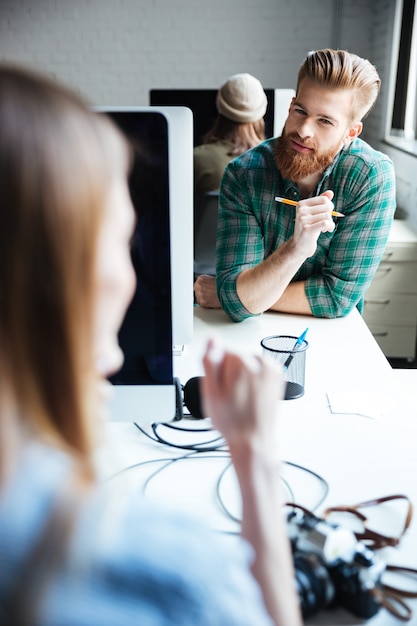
290 353
296 346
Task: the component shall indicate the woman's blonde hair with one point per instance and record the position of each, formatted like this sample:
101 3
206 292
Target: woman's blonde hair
57 161
339 69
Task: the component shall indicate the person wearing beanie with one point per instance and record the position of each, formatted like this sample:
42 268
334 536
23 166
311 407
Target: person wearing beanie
318 256
242 99
241 104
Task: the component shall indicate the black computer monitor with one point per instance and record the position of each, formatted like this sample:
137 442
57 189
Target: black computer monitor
202 103
161 312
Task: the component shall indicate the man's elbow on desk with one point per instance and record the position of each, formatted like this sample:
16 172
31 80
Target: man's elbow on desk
293 300
327 303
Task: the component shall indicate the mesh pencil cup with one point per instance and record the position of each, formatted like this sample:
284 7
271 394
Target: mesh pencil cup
284 350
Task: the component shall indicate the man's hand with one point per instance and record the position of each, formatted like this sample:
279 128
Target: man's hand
313 216
205 292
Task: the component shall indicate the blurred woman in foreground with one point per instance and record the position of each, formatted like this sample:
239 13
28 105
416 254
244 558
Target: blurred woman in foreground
74 551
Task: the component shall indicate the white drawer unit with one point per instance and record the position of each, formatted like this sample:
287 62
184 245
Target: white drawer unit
391 301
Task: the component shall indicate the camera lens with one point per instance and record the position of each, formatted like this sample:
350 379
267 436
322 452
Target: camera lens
314 585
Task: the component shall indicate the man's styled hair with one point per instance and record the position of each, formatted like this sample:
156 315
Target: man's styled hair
339 69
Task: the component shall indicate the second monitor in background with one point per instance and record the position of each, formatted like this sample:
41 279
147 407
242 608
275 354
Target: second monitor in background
202 103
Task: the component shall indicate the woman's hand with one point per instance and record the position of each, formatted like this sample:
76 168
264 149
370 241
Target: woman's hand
241 395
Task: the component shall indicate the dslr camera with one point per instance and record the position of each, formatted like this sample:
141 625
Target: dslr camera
333 568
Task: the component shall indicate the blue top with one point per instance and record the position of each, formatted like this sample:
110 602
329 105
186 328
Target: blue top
128 562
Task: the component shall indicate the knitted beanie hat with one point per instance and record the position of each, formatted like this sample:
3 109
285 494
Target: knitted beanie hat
242 99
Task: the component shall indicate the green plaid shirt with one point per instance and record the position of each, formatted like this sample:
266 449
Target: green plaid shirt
251 225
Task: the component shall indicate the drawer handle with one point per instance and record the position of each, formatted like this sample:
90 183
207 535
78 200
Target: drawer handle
381 334
387 255
377 301
384 269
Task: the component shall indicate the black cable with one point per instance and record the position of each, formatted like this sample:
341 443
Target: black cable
227 511
136 465
206 446
181 428
220 500
221 454
198 447
189 455
161 469
323 482
143 431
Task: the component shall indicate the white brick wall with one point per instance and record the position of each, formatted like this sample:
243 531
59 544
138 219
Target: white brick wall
115 51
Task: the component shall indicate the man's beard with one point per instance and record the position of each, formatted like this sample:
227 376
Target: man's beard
296 165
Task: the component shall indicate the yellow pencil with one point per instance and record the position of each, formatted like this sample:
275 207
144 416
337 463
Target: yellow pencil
294 203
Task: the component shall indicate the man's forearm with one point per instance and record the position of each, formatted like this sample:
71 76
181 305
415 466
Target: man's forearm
293 300
265 286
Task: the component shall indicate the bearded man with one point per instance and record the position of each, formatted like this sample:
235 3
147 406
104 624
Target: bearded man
303 259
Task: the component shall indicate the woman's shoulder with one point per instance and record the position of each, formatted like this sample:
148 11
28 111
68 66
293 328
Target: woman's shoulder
26 501
39 474
188 571
128 559
157 560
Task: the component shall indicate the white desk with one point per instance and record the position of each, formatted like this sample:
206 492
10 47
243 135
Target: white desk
342 352
360 457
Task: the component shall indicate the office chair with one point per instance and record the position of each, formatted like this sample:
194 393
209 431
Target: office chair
205 230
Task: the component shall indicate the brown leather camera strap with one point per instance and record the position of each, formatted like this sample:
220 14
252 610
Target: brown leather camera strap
393 603
390 597
400 569
372 538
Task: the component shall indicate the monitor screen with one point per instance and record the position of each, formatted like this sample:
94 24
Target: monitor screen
161 312
202 103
